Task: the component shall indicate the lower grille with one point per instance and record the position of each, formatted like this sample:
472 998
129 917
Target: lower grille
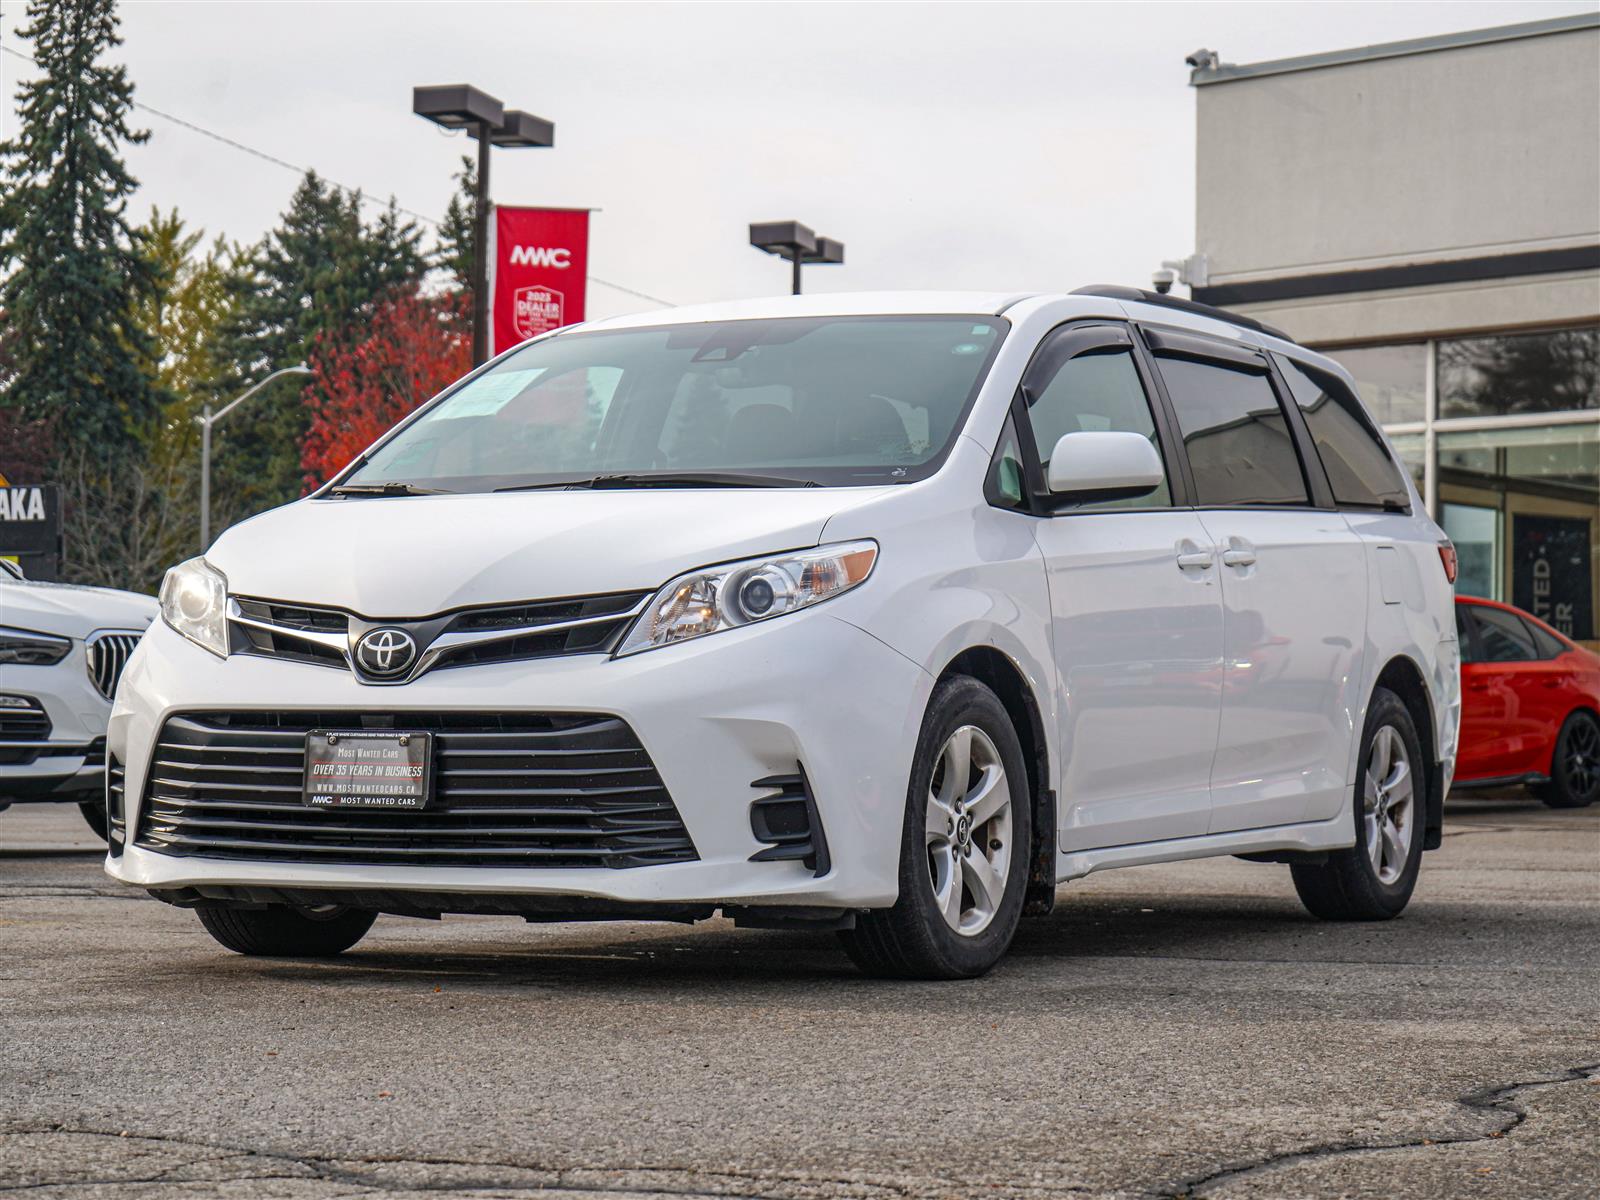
788 820
511 790
23 722
116 809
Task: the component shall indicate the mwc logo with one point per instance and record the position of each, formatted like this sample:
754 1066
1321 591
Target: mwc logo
541 256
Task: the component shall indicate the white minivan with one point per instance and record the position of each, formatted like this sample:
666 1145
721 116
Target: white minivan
878 614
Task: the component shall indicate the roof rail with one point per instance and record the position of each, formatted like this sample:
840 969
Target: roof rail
1117 291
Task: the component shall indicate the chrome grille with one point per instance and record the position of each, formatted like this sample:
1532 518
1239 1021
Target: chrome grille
510 790
490 634
106 655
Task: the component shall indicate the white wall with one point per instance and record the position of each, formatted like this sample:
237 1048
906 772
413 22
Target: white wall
1475 150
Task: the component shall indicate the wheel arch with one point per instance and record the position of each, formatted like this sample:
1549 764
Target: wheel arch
1402 676
993 668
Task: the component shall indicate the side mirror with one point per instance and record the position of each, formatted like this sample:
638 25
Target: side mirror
1105 466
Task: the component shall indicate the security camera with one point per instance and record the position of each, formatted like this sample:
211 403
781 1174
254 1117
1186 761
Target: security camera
1203 59
1163 278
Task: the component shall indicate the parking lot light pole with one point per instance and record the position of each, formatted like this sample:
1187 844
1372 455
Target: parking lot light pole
797 243
206 420
461 106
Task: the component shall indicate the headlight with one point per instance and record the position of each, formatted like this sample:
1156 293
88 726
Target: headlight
194 601
740 593
24 648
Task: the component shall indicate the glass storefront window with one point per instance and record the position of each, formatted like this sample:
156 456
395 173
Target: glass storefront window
1567 456
1475 531
1523 507
1392 380
1413 451
1554 371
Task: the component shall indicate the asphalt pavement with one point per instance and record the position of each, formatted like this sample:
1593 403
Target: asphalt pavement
1168 1031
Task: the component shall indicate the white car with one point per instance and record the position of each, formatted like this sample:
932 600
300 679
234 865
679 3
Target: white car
62 649
883 614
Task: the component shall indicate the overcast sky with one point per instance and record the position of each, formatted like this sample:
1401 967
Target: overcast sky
1013 147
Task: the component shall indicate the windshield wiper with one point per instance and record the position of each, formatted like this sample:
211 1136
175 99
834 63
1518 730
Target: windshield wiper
698 479
645 479
384 489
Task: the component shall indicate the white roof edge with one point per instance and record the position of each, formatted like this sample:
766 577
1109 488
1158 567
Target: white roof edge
1229 72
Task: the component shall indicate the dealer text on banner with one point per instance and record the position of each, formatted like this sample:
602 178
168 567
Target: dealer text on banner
541 266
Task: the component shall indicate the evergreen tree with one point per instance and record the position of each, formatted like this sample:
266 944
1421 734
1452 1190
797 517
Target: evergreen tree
313 281
454 255
126 527
75 270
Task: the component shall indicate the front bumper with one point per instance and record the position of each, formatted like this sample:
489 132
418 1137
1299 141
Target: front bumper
715 715
69 764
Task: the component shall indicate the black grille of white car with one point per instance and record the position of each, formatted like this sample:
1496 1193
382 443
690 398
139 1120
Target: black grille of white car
23 718
23 725
510 790
106 655
499 633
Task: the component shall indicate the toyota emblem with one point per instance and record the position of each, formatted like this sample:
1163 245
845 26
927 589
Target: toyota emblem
385 653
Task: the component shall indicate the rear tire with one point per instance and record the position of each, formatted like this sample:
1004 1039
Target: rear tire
94 816
279 931
1374 879
1575 765
964 848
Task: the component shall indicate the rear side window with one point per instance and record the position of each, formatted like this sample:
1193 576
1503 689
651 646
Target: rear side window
1240 448
1549 645
1502 636
1359 468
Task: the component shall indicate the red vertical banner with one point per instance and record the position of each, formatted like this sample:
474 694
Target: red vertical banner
541 269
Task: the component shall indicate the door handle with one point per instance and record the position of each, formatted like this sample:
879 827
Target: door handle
1238 553
1194 562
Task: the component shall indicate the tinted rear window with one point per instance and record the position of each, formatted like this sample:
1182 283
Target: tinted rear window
1359 468
1503 636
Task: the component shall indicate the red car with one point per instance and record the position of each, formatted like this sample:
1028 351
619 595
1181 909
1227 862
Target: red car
1530 706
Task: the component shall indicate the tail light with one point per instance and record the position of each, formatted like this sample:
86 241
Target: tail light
1447 558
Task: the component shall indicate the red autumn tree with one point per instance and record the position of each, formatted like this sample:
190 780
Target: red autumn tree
413 346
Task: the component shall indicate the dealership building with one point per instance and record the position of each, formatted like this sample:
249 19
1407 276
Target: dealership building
1428 213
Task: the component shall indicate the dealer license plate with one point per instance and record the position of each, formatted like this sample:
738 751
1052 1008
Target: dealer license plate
368 768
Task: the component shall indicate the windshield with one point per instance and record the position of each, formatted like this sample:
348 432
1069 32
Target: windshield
815 401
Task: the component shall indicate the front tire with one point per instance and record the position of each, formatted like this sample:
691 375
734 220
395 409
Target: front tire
1575 766
1374 879
963 849
279 931
94 816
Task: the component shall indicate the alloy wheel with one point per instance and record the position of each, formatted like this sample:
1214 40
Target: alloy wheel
1583 757
969 831
1388 805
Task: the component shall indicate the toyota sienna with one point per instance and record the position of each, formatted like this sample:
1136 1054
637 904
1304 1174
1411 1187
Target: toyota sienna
883 615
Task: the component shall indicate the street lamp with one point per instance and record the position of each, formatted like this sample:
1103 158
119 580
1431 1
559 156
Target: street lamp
206 420
461 106
797 243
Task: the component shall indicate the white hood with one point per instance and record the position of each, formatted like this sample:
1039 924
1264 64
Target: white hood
412 556
68 610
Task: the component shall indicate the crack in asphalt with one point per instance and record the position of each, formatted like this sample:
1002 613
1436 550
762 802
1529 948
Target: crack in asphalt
325 1168
1497 1099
